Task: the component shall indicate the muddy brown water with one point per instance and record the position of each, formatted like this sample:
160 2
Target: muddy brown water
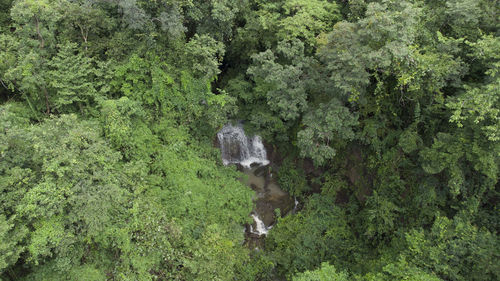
268 198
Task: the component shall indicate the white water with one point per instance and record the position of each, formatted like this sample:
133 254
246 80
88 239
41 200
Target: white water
296 204
237 148
260 227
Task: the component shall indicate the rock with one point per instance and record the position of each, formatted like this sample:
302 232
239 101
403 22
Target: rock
254 165
239 167
261 171
265 212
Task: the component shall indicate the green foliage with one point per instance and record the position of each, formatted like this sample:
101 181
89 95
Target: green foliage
62 183
124 126
401 270
464 16
316 234
480 104
216 18
71 78
326 129
381 214
281 84
170 93
327 272
10 237
109 109
375 42
73 192
5 6
455 250
306 19
453 155
291 178
204 56
409 140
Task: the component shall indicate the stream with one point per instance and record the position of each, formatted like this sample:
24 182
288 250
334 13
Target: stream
250 155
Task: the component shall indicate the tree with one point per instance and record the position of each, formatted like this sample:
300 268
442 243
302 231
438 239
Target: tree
356 51
71 79
382 116
281 84
67 192
85 22
327 272
455 250
4 15
402 270
215 18
479 104
34 19
306 19
204 56
319 233
326 129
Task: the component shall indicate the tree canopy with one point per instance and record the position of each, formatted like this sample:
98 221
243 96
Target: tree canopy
381 118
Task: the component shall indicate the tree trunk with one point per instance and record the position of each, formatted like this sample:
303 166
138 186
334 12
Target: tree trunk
40 37
85 36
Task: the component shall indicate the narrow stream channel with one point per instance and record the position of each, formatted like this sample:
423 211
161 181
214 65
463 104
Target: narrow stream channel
250 155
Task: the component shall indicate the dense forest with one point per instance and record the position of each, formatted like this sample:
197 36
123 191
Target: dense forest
383 115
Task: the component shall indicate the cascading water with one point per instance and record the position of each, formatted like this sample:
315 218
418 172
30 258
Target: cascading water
237 148
296 204
260 227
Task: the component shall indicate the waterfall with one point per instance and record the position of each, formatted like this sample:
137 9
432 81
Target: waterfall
296 204
260 227
237 148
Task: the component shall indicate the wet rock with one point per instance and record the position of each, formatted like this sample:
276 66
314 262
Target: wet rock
239 167
274 156
265 210
261 171
254 165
